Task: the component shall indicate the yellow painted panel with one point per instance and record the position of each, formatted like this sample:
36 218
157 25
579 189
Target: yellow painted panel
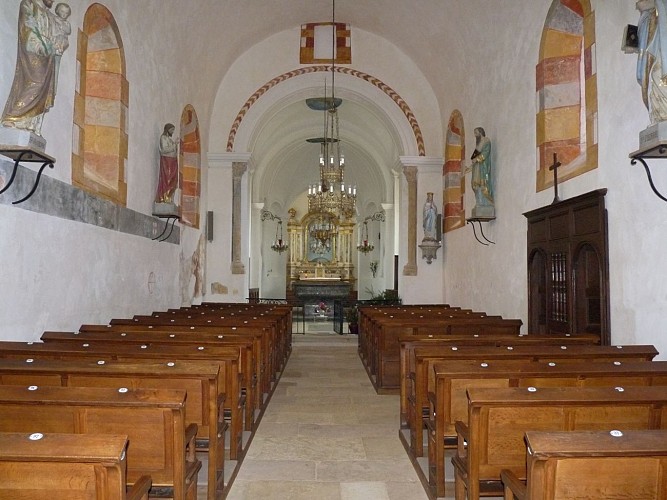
79 109
589 30
559 44
591 87
191 174
539 132
102 140
104 60
453 194
453 151
561 124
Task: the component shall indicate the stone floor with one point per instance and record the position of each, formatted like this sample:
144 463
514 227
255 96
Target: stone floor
326 434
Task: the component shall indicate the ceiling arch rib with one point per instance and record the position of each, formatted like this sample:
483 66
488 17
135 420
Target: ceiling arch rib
284 163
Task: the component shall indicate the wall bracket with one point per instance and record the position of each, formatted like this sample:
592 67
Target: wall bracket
19 154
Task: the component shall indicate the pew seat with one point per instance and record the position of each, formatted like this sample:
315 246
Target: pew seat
160 443
51 466
604 465
498 419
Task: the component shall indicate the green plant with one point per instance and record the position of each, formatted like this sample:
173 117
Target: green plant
383 297
374 267
352 315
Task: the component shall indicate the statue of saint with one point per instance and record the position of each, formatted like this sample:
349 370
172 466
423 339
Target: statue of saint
168 175
652 59
481 175
41 40
430 217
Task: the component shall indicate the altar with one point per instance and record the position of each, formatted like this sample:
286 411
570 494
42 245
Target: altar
318 296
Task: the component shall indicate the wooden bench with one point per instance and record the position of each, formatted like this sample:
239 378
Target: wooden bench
50 466
449 404
204 403
410 343
423 359
592 464
264 372
384 367
236 363
278 348
160 444
493 438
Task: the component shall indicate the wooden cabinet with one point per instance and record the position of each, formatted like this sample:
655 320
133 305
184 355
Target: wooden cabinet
568 270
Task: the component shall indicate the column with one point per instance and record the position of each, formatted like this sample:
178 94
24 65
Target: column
238 169
410 268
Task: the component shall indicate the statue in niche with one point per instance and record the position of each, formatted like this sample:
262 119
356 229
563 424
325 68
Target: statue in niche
168 174
430 218
482 182
652 59
42 39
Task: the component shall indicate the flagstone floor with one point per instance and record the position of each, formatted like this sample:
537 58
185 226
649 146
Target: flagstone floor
326 434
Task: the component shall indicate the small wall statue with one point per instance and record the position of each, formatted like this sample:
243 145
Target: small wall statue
652 59
430 218
430 244
482 182
168 173
42 40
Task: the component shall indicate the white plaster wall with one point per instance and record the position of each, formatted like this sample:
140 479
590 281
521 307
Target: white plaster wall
58 274
278 54
494 87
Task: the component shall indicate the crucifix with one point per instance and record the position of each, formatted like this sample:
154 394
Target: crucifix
554 167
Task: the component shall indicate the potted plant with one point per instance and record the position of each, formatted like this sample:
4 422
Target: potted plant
352 318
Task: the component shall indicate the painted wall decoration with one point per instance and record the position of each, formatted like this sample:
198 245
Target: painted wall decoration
99 142
454 213
190 167
567 92
308 53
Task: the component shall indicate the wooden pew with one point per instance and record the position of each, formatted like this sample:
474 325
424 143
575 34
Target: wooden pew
592 464
449 404
235 356
409 343
424 358
66 467
201 380
384 366
264 372
493 438
161 445
278 348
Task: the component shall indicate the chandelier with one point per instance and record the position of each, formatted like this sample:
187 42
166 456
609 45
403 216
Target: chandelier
331 194
364 246
279 244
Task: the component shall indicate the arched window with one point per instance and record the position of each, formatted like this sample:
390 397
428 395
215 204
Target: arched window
190 167
454 179
99 144
567 92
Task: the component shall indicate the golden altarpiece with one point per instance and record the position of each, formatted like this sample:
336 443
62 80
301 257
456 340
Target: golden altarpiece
320 249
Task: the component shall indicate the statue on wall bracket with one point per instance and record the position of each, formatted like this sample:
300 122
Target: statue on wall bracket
482 177
42 40
652 70
168 174
431 224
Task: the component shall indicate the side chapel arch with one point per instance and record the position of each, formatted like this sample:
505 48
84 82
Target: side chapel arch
190 167
454 178
99 149
567 92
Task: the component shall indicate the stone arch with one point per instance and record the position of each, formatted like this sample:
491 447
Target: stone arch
567 92
99 144
405 109
190 167
454 177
